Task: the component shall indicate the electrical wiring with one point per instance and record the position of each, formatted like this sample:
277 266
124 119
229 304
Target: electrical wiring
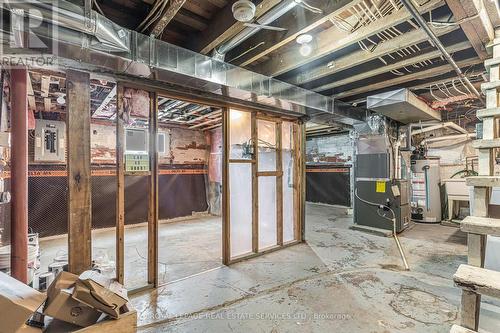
393 220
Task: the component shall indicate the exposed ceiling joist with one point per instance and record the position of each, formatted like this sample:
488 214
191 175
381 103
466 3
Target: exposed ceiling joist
208 115
356 58
106 100
211 127
223 26
31 95
210 121
333 39
45 85
429 73
475 23
397 65
172 9
47 104
308 21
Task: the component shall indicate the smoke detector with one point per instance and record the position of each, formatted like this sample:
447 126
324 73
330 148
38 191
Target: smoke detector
243 10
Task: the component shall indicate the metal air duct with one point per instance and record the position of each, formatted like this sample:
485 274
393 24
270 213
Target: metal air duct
106 35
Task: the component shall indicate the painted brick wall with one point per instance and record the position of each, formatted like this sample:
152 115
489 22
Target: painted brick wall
331 149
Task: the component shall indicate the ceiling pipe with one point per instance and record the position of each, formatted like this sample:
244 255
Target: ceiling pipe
423 24
449 137
272 15
449 124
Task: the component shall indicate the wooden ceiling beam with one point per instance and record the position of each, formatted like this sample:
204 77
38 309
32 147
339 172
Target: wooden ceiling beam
172 9
475 23
356 58
273 40
334 39
397 65
429 73
223 26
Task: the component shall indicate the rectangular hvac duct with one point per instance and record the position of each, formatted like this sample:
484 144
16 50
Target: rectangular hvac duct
402 105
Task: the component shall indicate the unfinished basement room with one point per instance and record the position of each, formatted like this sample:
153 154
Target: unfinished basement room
250 166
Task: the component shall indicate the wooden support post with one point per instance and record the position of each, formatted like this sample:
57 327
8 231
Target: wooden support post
470 308
255 185
302 180
120 184
19 180
79 174
279 184
296 185
153 192
226 253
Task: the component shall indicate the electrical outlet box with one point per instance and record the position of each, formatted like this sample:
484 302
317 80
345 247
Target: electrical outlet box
50 141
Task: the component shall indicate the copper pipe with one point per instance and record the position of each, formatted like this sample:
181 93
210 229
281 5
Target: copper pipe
19 175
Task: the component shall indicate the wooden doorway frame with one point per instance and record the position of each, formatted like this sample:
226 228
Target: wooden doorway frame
298 138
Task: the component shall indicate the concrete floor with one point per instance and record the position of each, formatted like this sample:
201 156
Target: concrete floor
340 281
178 258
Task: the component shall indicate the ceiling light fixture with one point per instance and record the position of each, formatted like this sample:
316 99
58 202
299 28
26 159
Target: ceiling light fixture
61 100
305 44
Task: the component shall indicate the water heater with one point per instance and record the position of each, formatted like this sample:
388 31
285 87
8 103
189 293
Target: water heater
426 195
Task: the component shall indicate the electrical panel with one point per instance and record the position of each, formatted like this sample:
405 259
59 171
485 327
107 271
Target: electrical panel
50 141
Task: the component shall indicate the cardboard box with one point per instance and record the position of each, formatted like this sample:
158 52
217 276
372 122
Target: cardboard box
61 305
17 303
126 324
100 292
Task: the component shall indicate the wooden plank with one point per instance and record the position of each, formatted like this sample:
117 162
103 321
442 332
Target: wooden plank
120 184
79 174
273 40
255 185
478 280
153 192
475 23
476 249
226 223
172 9
486 144
425 74
334 39
490 112
356 58
481 225
223 26
279 184
483 181
397 65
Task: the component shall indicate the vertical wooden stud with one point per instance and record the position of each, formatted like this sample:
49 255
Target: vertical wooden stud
120 183
255 184
226 223
153 192
279 184
79 174
470 308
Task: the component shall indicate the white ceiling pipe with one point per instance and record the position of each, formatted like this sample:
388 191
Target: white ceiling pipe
449 124
449 137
